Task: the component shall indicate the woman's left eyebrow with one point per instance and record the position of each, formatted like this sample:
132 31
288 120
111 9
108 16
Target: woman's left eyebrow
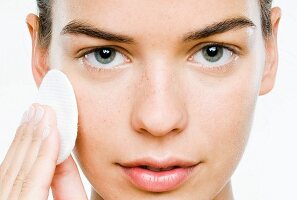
219 28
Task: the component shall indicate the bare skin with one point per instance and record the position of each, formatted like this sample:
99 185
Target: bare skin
164 99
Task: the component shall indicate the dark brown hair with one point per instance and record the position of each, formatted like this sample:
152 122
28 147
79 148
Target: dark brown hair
45 19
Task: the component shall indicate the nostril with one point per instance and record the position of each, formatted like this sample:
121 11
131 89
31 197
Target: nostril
176 130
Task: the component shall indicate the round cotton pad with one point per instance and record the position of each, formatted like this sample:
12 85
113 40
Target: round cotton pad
56 91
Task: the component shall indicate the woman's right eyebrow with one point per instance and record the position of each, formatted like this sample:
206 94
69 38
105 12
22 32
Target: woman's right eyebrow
76 27
82 28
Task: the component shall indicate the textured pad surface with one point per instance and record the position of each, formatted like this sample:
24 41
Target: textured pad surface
57 92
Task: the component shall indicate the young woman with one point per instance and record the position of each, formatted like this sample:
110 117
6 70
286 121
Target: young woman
166 92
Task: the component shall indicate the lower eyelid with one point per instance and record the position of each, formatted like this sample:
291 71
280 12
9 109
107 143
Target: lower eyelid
85 65
221 68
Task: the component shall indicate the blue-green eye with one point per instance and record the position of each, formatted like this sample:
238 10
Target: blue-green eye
213 56
213 53
105 57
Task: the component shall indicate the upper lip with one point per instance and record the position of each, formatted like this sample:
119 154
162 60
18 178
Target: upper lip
157 163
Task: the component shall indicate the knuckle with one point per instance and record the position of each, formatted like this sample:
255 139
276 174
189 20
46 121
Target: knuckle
27 184
6 180
43 157
23 137
20 129
36 138
20 132
21 175
18 181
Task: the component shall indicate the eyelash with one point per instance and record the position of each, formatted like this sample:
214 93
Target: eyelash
103 70
234 51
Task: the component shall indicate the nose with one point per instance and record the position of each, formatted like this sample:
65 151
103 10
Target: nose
159 109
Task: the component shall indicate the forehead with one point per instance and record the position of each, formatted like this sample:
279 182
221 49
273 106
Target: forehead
153 17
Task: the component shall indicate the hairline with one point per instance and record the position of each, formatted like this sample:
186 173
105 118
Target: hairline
45 36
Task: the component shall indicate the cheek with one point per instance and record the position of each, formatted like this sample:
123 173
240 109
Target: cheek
228 126
102 116
228 113
228 135
222 116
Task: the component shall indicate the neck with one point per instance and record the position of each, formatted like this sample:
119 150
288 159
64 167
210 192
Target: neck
225 194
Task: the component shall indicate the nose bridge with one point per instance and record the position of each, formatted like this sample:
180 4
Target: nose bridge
159 108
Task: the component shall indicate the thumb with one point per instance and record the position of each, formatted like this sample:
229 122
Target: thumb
66 183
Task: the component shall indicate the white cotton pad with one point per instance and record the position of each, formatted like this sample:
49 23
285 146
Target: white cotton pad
56 91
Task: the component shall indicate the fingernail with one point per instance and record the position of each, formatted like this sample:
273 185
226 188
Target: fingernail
38 114
46 131
25 117
31 113
28 114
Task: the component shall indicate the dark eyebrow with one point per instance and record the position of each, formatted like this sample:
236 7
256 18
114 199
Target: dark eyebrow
83 28
219 27
76 27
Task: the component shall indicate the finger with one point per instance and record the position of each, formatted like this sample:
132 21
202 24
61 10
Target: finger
15 143
4 177
11 151
18 157
39 178
67 183
32 154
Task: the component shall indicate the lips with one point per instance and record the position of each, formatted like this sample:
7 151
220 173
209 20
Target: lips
155 163
158 175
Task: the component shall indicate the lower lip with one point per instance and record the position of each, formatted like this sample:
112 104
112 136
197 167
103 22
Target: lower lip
162 181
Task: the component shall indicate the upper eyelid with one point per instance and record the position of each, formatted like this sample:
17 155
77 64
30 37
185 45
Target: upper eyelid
197 48
235 54
83 53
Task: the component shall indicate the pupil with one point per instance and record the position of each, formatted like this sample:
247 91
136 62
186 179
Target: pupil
105 53
212 51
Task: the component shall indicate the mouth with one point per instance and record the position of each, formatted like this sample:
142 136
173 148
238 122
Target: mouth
158 176
154 169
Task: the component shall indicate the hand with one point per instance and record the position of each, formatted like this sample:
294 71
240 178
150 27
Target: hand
29 167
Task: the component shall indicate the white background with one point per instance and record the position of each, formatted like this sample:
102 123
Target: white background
268 168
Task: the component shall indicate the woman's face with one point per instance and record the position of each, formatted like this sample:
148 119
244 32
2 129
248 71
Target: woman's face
164 91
